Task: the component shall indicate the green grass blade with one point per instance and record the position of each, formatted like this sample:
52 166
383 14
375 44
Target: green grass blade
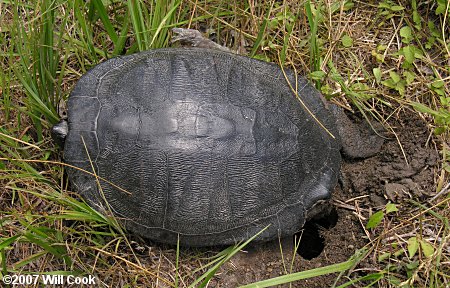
44 244
28 260
177 261
47 58
103 14
374 277
74 209
6 151
313 21
339 267
85 35
289 24
261 32
36 70
137 20
230 252
120 45
161 34
8 241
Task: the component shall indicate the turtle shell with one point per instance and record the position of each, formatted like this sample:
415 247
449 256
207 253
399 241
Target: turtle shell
204 144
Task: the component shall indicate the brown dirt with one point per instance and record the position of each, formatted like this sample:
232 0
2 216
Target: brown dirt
368 185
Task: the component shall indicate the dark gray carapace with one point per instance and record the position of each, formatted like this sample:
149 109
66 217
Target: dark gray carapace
211 146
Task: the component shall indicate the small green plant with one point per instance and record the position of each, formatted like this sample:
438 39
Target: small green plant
413 247
395 82
376 218
442 7
388 9
410 54
378 53
346 41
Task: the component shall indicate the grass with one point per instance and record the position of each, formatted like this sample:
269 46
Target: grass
398 62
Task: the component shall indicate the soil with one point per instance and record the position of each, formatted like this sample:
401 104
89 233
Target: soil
403 169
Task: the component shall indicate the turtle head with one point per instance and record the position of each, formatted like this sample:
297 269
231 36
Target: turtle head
59 132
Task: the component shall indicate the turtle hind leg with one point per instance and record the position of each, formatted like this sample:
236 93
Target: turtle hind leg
359 140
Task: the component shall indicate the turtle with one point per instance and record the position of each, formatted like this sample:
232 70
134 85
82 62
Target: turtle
202 147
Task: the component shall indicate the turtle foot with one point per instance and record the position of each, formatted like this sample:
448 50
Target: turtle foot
358 140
